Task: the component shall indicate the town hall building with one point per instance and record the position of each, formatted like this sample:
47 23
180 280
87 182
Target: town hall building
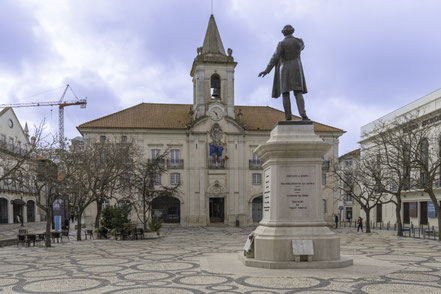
210 143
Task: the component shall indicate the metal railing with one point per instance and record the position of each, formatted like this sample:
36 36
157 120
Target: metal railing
175 163
255 164
214 164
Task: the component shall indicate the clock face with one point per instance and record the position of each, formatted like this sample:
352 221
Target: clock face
216 113
10 123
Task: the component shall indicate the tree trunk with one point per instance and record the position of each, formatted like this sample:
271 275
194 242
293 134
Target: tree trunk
398 216
368 220
439 225
80 214
99 210
144 213
47 242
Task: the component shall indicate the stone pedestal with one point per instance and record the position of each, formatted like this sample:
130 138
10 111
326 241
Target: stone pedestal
292 203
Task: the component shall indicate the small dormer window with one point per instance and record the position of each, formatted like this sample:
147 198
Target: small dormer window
215 87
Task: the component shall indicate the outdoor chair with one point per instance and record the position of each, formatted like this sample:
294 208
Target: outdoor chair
139 232
31 238
88 233
56 236
65 233
124 234
21 239
41 238
118 234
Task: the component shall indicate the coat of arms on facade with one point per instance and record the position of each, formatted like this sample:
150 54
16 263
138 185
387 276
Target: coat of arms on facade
216 134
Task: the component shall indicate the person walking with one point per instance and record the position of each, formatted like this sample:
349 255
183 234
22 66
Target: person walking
336 220
360 224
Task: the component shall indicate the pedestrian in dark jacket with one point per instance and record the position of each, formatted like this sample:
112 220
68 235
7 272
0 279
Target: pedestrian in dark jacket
360 224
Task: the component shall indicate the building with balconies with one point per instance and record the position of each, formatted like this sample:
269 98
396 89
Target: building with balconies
16 198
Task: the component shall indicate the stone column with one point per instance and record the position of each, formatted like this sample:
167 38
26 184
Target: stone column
232 171
202 179
292 202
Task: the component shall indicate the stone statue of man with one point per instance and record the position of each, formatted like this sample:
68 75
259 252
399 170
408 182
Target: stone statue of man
288 74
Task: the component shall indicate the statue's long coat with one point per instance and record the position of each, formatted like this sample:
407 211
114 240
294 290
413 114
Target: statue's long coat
288 74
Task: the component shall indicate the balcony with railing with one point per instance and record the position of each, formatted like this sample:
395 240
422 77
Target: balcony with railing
13 187
255 164
175 163
216 164
13 149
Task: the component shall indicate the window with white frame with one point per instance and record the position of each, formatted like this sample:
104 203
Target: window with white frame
175 179
155 153
257 179
157 180
256 159
348 162
175 156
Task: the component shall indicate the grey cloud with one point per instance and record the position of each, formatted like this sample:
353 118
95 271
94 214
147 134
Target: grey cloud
19 44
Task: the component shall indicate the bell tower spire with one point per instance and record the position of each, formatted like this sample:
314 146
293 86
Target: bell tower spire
213 74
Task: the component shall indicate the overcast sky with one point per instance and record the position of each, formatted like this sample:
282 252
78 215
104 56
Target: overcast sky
362 59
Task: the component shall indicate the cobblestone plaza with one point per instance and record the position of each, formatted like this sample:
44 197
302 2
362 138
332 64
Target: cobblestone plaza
205 260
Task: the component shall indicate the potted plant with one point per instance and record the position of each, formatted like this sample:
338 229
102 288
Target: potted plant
155 225
96 233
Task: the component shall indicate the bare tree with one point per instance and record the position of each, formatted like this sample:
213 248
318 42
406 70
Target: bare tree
108 163
359 182
74 163
426 154
147 187
392 144
46 181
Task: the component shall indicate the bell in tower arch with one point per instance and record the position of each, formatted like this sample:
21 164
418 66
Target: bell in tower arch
215 87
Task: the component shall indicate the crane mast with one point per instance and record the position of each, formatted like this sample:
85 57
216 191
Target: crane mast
60 103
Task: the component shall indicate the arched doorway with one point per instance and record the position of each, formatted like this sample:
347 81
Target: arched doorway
17 209
256 209
167 208
30 205
217 210
3 211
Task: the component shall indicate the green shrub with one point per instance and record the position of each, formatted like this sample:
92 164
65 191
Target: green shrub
114 216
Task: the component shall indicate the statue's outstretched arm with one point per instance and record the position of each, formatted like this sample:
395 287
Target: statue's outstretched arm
274 60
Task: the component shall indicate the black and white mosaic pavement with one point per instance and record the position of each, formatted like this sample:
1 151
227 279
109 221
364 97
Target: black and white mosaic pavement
179 262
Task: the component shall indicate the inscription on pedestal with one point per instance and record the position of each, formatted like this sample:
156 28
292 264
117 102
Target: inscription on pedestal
266 190
298 186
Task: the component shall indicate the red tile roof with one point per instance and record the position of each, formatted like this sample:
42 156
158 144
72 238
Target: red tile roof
175 116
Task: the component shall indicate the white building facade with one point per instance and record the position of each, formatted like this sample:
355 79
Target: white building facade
211 143
16 200
417 208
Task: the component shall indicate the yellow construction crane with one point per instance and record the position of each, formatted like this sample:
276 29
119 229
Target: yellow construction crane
61 104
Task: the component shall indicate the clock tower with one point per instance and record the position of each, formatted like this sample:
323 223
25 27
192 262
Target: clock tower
213 77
